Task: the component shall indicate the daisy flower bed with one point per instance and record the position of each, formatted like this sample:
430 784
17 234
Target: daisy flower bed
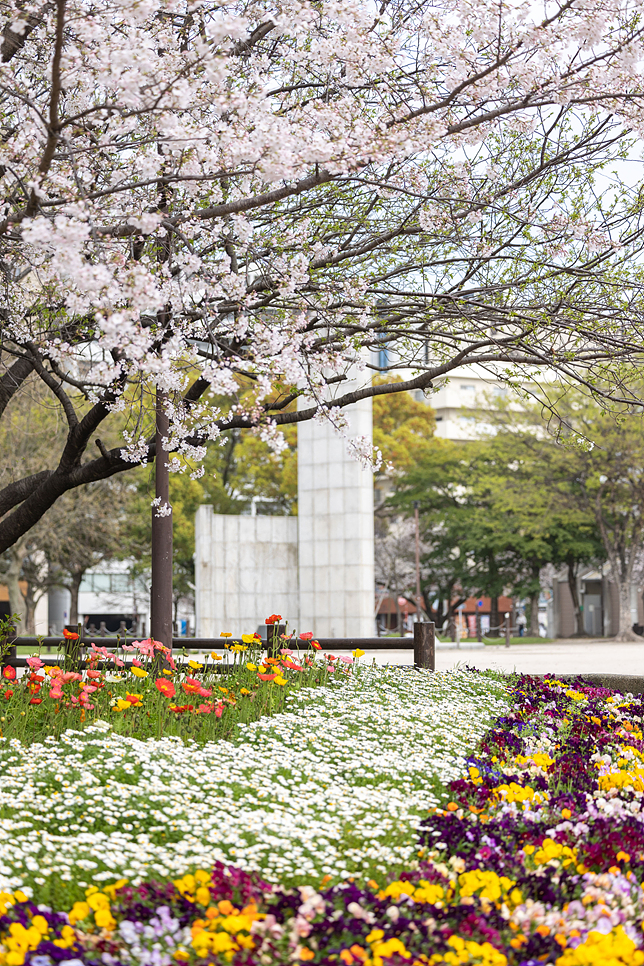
527 849
336 786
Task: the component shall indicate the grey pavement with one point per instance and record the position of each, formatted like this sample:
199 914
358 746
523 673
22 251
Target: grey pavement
560 657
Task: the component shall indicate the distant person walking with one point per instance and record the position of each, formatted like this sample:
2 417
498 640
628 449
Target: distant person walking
522 621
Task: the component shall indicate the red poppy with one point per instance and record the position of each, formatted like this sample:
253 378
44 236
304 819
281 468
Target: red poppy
267 677
8 694
181 708
70 635
273 619
192 686
9 673
166 688
316 645
36 701
307 636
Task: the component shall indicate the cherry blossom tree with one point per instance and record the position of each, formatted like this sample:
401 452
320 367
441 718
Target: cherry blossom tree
198 195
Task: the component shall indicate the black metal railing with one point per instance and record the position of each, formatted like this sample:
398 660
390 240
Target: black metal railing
53 650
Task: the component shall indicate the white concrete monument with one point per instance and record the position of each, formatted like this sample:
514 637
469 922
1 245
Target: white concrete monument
245 570
335 529
316 569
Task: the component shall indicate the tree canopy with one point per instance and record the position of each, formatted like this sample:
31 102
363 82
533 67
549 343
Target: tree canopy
564 491
194 194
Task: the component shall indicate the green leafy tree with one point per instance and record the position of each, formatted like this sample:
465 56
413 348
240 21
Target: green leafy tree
536 493
595 463
466 546
494 513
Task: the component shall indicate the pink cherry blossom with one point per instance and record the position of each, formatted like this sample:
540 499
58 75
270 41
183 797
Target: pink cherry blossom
217 212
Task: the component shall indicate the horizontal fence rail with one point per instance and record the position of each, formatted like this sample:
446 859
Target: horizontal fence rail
53 650
219 643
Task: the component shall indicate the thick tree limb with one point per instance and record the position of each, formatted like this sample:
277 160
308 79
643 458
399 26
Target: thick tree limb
12 380
13 41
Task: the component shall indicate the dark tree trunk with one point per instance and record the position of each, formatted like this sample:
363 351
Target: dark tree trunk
30 611
494 617
572 586
451 624
74 587
17 603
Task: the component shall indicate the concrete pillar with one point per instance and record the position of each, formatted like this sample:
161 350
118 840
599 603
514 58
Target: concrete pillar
245 570
58 610
335 528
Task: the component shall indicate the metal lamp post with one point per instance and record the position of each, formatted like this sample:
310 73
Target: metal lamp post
161 590
417 521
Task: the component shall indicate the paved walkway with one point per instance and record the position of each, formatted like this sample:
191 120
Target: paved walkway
562 657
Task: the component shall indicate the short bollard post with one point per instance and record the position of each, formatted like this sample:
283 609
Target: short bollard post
507 630
425 645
